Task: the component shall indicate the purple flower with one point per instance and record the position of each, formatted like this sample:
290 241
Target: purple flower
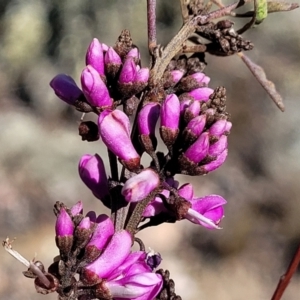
114 129
142 76
196 125
112 57
140 286
128 72
94 88
103 231
95 56
218 147
92 173
140 186
170 112
213 165
147 118
207 211
199 149
64 225
76 209
176 76
200 78
201 94
219 128
112 257
156 206
64 228
66 88
112 61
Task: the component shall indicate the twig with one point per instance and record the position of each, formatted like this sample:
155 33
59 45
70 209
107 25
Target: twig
285 279
151 20
184 10
175 45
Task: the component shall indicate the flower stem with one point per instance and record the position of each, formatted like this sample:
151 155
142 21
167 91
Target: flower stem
151 20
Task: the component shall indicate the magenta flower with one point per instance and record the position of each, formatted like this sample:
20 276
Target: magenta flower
95 56
199 149
219 128
114 129
207 211
199 77
76 209
147 118
156 206
112 257
94 88
142 76
140 186
92 173
196 125
128 72
66 88
112 62
133 279
64 228
170 112
112 57
218 147
140 286
192 110
213 165
64 225
103 231
201 94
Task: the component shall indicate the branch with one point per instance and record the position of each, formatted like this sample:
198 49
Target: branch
260 75
285 279
151 20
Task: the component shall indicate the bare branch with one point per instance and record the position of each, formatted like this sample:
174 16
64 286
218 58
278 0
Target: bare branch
260 75
285 279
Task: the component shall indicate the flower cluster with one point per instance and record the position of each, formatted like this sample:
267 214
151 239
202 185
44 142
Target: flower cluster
102 258
193 126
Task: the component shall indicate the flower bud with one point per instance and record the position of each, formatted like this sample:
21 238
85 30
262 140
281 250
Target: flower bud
112 61
196 125
192 111
128 72
64 225
218 128
218 147
142 76
94 88
76 209
95 56
169 117
83 232
218 162
113 255
64 229
146 121
199 149
186 191
66 88
92 173
114 129
201 94
135 54
103 231
147 118
140 186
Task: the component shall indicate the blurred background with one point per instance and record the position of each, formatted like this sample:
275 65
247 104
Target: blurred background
40 148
